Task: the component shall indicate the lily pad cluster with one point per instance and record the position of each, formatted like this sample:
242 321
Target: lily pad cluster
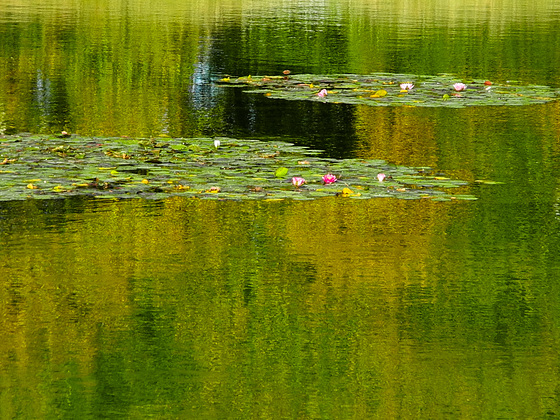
388 89
34 166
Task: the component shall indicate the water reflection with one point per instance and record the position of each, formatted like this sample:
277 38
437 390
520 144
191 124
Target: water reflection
339 306
117 69
326 309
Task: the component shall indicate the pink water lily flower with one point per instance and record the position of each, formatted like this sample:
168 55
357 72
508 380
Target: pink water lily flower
380 177
459 87
298 181
406 86
329 179
322 93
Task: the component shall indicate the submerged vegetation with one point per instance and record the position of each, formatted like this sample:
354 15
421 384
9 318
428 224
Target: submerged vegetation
387 89
34 166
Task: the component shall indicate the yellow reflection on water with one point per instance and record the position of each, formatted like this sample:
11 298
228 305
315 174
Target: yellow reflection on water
343 306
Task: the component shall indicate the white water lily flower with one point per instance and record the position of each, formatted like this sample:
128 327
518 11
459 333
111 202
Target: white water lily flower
459 86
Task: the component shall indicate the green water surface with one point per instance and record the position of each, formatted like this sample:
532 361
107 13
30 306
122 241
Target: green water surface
327 309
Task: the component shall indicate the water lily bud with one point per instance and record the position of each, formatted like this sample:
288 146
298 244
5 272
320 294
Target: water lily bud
322 93
298 181
380 177
217 143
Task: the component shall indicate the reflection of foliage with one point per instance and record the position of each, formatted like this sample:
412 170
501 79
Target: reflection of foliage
92 76
165 306
223 168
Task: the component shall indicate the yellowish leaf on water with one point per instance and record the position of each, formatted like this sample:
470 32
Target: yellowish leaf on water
486 181
347 192
145 181
32 186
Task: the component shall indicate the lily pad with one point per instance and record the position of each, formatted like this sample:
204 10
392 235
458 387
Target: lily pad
384 89
281 172
53 167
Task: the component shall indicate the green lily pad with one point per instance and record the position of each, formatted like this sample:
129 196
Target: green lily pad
384 89
281 172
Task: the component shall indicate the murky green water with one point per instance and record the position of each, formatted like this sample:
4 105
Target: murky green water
326 309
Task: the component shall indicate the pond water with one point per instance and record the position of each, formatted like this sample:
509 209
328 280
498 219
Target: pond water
326 309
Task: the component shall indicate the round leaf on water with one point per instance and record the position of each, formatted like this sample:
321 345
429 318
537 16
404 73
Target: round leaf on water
179 147
465 197
281 172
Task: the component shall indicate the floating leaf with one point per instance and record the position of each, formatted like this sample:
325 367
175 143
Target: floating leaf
488 182
179 146
464 197
281 172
